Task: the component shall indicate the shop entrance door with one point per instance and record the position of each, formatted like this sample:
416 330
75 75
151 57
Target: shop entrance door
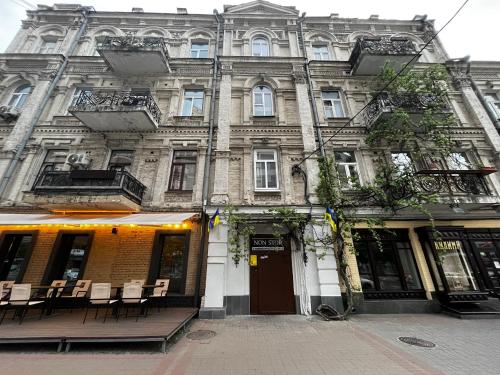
271 280
488 256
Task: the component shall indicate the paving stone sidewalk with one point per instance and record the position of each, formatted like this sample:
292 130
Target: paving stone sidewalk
282 345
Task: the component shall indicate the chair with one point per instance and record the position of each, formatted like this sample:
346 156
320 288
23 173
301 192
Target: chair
6 287
3 304
160 292
132 296
20 300
100 296
78 293
59 284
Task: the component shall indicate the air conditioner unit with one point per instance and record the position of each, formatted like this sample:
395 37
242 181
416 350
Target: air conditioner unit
9 113
78 160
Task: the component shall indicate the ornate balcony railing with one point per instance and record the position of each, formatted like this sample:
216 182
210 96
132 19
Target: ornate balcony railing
415 103
133 43
94 182
115 101
454 182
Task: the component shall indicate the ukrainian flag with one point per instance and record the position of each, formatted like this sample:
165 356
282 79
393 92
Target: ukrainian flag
214 221
331 217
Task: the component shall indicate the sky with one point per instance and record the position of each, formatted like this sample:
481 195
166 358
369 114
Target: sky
474 31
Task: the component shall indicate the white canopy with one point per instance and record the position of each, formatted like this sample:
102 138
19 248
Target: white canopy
111 219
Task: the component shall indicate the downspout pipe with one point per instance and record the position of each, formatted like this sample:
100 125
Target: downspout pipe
11 168
206 173
312 101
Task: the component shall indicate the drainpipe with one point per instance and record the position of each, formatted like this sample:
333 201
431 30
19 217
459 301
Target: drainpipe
314 107
206 174
22 145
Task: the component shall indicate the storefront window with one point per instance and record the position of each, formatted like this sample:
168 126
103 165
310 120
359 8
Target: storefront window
456 267
173 261
390 267
14 255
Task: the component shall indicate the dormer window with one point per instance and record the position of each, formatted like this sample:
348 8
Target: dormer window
262 101
199 50
260 47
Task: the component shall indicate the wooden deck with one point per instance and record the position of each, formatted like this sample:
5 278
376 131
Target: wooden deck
64 327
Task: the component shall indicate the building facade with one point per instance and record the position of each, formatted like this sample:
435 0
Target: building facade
123 132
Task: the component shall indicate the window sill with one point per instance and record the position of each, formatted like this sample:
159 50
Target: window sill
270 191
397 294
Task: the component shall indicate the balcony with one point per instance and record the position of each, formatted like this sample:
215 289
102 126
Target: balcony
371 54
117 111
131 55
454 182
415 104
87 190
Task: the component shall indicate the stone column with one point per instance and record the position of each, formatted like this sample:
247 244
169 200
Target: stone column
228 37
307 129
161 181
213 306
280 103
221 181
200 170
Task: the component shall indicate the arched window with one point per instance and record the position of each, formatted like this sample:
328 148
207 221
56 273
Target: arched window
20 95
260 47
262 101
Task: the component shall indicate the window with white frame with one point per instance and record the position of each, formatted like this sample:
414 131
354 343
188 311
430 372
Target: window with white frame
262 101
266 170
193 103
48 46
260 47
321 53
403 161
347 168
332 103
199 50
494 103
20 96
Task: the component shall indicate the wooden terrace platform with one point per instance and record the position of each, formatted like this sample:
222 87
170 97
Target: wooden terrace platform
65 328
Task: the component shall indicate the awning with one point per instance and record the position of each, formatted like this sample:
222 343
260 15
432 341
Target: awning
112 219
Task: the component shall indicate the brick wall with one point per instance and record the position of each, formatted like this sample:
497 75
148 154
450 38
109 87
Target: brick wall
115 258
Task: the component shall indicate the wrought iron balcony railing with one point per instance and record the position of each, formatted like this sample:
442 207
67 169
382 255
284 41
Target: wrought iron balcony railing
95 182
115 101
414 103
381 46
133 43
453 182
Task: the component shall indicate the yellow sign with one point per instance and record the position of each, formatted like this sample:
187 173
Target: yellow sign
447 245
253 260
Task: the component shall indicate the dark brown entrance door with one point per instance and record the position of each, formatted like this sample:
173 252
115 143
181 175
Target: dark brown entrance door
271 280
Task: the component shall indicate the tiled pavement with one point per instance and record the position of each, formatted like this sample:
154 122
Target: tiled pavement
296 345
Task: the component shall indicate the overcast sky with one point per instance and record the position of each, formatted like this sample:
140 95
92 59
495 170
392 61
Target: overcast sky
474 32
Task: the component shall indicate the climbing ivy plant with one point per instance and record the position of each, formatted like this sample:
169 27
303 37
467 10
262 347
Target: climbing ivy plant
240 229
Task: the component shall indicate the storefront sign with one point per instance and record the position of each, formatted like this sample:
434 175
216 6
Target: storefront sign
448 245
267 244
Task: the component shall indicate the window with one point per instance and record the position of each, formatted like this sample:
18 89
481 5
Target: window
321 53
54 160
347 168
262 101
260 47
77 93
15 252
182 176
199 50
332 104
20 96
48 46
458 161
173 261
402 160
68 261
121 160
494 104
266 170
193 103
391 268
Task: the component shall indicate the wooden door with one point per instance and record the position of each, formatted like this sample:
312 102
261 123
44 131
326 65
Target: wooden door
271 280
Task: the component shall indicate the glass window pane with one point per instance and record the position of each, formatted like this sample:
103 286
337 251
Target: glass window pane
172 262
14 250
409 267
78 246
268 104
328 110
456 267
187 107
265 155
203 54
198 107
272 177
259 100
189 176
258 110
344 157
402 160
339 112
175 180
330 95
194 54
458 161
387 270
364 268
260 175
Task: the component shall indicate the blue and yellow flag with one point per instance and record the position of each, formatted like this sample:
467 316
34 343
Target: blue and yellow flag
331 217
214 221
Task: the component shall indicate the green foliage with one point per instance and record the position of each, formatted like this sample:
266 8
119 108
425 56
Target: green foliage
239 231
